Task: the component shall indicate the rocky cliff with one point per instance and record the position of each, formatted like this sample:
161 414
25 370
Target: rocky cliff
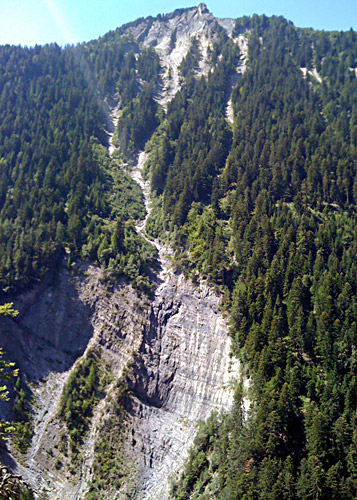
172 35
175 349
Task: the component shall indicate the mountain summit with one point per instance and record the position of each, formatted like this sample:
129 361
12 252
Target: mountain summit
172 35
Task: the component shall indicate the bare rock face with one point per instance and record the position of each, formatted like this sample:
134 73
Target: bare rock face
172 35
39 339
60 321
184 373
181 371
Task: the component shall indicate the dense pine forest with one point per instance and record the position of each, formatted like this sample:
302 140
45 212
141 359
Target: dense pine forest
60 197
263 209
266 212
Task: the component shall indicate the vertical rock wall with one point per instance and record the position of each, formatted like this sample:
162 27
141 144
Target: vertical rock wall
184 373
179 353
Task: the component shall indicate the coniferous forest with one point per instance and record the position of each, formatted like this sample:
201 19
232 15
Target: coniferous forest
267 213
263 209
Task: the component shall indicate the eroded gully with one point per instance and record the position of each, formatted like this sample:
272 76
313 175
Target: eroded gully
184 372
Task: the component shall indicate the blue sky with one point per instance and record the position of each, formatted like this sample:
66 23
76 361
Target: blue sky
28 22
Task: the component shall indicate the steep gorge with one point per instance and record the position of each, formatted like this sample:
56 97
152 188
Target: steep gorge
184 373
173 349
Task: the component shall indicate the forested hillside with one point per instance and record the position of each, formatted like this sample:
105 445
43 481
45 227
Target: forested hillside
261 208
266 212
59 193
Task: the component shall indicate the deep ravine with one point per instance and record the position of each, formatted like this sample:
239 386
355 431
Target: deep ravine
176 345
184 371
174 348
178 350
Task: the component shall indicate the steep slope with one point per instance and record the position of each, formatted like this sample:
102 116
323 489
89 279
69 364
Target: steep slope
247 136
172 353
172 35
268 227
180 370
185 372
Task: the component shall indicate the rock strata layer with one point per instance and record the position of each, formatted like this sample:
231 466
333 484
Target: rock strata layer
184 373
181 371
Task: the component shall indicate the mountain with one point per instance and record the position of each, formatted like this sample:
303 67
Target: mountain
178 234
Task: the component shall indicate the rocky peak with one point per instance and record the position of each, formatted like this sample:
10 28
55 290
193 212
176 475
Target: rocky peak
153 32
172 35
202 9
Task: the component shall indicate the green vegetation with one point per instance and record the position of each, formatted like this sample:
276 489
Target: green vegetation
58 190
22 416
264 209
278 235
201 463
7 372
11 485
139 116
80 395
190 63
112 469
